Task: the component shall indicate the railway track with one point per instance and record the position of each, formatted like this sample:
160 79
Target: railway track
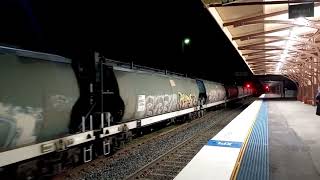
158 153
168 165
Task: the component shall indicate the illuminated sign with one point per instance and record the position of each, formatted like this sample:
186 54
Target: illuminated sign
301 10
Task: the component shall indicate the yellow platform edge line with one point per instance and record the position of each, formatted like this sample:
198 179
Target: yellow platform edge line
242 150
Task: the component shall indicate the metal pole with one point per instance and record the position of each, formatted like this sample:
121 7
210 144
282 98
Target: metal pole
83 124
101 79
102 91
108 119
91 125
102 120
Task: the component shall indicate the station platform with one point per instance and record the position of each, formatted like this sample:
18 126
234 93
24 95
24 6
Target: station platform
271 139
294 140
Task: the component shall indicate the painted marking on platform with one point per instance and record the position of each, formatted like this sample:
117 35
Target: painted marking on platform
231 144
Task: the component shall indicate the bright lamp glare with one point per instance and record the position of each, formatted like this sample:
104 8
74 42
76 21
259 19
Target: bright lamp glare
187 41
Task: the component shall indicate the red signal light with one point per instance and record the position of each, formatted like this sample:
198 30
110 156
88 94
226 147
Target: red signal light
267 88
248 86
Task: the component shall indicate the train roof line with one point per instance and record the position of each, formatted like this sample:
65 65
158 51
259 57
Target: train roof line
126 66
132 66
33 54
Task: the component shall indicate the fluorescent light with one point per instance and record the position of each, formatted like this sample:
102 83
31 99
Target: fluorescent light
278 66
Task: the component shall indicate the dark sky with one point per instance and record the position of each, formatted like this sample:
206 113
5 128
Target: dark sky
146 32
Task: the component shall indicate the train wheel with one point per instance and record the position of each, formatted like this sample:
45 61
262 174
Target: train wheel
27 171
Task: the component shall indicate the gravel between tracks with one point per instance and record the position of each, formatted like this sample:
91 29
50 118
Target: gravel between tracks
120 166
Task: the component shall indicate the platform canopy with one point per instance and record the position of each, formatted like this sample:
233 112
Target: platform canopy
267 40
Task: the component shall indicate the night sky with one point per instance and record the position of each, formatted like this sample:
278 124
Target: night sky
148 33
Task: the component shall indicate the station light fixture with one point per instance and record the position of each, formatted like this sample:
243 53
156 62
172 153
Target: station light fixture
293 33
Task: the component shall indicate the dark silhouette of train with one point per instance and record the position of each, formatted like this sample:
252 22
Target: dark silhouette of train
48 116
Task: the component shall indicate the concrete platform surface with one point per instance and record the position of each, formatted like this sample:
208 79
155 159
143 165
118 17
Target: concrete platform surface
272 96
294 141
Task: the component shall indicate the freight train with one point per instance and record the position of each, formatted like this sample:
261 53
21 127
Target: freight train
49 119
